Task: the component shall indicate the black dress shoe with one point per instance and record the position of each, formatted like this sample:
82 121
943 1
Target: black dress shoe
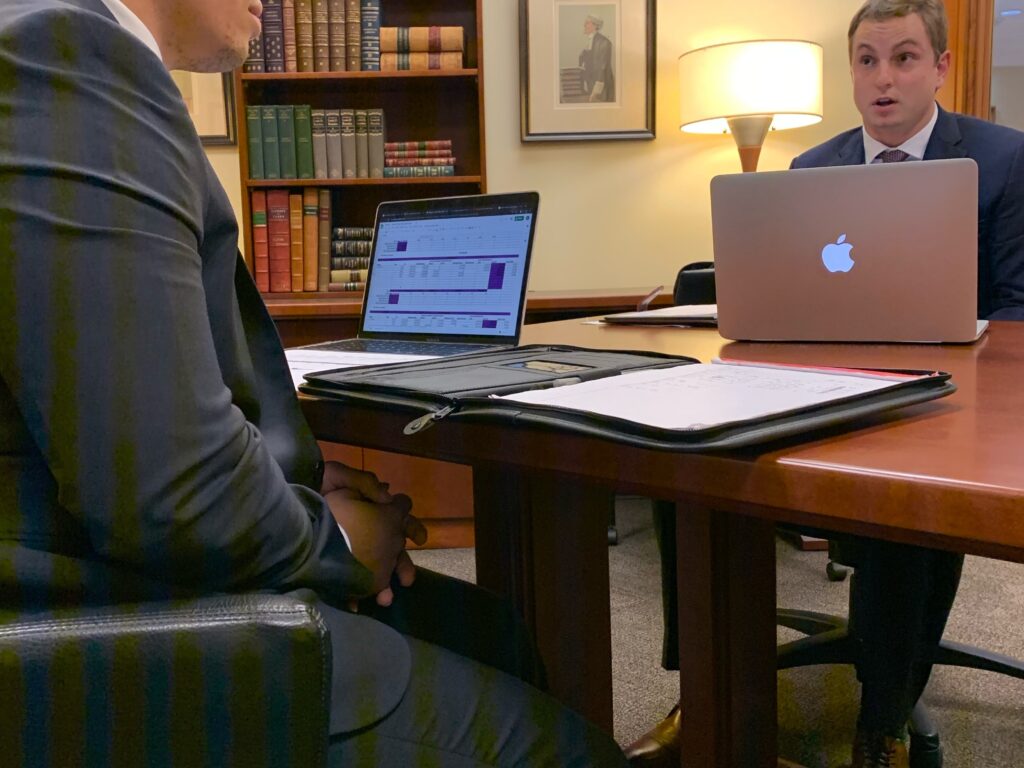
660 747
875 750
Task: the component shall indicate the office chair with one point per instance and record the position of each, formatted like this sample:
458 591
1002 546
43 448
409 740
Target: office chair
695 283
227 680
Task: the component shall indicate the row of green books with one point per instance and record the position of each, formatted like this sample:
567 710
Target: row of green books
289 141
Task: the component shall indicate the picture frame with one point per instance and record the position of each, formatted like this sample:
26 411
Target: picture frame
586 69
210 99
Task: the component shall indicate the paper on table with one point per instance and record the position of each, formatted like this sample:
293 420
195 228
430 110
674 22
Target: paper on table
707 395
704 313
302 361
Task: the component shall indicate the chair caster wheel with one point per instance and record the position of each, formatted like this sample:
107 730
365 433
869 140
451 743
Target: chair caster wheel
613 536
836 572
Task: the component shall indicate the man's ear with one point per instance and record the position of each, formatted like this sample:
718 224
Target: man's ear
942 67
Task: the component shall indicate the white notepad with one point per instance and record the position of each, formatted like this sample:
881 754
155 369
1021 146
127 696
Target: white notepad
683 314
712 394
302 361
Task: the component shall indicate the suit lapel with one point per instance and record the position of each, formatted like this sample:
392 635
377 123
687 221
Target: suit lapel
852 151
946 141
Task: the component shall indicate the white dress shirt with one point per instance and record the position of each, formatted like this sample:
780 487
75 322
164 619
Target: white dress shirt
915 146
133 24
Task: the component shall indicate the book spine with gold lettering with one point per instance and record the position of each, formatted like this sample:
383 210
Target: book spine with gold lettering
401 162
290 50
445 60
304 34
369 30
348 143
273 35
256 62
279 239
362 145
426 39
336 34
260 241
323 247
310 238
321 37
411 146
375 141
295 237
353 35
349 287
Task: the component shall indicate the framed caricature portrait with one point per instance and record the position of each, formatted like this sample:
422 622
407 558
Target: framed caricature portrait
211 103
586 69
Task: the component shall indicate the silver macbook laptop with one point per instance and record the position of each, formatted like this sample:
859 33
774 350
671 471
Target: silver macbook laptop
883 253
447 276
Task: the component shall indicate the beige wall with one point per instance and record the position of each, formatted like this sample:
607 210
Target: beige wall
1008 96
225 164
629 213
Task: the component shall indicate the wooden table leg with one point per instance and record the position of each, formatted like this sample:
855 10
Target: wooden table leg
726 577
543 541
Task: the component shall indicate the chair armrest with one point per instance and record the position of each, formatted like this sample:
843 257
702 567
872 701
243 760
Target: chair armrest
227 680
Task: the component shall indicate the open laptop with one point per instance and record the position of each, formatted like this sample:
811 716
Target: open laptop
447 276
882 253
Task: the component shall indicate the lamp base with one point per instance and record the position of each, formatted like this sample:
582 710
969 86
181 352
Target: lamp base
749 133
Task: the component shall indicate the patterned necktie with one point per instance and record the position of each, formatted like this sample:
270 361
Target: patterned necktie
891 156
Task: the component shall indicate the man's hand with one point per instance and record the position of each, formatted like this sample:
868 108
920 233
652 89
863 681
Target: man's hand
378 532
365 484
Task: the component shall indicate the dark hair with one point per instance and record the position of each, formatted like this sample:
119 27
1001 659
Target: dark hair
932 13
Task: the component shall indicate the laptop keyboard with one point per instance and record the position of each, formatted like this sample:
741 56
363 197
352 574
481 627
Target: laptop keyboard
393 347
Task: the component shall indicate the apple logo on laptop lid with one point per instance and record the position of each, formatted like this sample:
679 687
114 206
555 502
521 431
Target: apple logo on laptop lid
836 256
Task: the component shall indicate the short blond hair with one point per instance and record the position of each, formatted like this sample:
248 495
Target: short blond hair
932 13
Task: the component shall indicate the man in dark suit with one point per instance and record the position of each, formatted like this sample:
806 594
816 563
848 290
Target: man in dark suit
596 61
151 444
902 594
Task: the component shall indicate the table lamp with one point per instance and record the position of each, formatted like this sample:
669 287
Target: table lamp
746 88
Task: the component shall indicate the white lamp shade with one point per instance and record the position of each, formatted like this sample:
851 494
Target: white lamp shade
782 78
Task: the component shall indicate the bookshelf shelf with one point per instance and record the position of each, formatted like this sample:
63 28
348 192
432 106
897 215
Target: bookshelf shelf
341 76
417 106
427 180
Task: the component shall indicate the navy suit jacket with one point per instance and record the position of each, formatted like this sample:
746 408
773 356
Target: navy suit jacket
999 153
151 443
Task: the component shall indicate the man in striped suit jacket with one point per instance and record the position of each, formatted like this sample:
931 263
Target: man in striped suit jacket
151 444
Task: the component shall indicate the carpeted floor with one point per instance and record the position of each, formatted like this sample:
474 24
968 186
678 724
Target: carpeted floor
980 714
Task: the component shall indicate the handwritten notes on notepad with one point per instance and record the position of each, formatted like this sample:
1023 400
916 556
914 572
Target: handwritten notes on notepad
708 395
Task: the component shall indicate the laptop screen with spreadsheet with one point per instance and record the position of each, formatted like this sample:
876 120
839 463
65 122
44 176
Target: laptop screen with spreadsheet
452 269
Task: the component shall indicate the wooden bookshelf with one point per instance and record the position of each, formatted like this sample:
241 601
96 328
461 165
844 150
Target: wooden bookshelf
445 181
403 74
418 105
437 104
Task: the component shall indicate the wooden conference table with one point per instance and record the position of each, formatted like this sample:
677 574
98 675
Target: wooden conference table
946 474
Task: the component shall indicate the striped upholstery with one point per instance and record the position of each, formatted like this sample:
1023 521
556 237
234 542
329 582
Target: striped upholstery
220 681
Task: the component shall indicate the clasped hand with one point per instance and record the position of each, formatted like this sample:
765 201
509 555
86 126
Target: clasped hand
377 523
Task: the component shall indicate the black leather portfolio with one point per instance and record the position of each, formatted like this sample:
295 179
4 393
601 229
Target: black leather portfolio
641 398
